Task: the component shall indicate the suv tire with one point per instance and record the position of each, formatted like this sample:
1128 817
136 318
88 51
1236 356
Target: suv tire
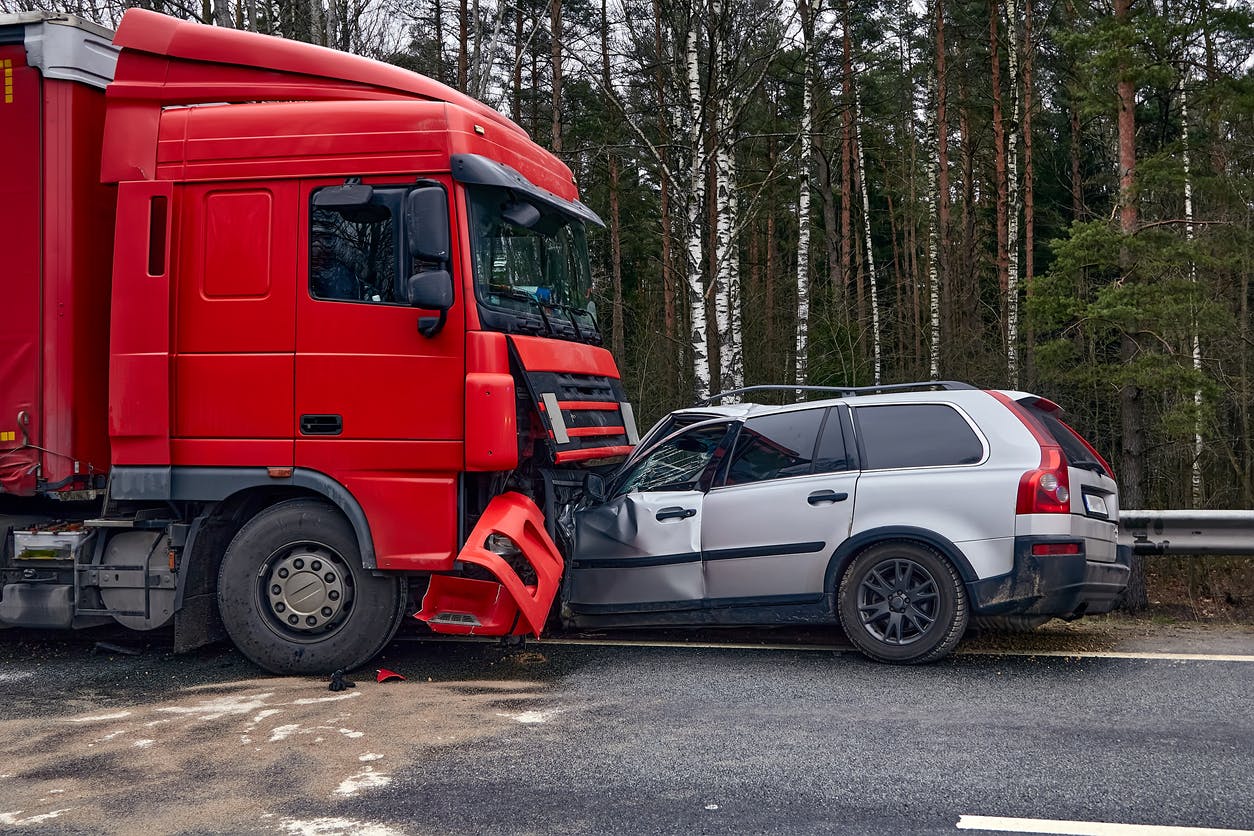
295 598
902 603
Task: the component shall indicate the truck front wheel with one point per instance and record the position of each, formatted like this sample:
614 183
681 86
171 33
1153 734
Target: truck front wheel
295 598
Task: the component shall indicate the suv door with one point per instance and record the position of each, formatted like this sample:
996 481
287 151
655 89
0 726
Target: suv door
785 503
641 548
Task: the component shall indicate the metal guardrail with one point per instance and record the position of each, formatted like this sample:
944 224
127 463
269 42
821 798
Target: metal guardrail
1188 532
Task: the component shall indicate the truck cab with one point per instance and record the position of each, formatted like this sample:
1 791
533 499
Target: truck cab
336 359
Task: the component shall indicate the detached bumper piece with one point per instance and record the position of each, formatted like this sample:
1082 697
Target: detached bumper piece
1052 584
506 606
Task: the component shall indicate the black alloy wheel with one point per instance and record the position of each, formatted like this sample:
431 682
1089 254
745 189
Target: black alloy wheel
902 602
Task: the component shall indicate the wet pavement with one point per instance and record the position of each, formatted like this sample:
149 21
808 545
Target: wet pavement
718 732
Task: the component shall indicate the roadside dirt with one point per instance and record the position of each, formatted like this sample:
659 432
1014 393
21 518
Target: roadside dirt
229 756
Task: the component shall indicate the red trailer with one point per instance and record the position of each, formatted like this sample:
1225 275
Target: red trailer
297 343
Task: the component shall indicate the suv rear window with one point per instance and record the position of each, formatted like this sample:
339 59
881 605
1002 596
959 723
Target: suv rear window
1073 447
916 435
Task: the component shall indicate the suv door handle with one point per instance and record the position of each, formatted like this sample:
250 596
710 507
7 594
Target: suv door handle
819 497
676 513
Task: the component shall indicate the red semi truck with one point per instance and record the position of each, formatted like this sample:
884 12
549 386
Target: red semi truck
296 344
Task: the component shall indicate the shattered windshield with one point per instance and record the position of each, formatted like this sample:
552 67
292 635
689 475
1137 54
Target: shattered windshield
531 266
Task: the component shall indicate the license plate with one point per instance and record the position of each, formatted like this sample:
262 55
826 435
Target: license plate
1096 504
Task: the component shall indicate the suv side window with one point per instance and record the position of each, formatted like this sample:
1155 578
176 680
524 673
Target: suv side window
354 252
916 435
775 447
832 455
676 465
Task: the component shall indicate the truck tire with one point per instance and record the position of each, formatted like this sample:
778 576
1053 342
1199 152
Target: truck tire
295 598
902 603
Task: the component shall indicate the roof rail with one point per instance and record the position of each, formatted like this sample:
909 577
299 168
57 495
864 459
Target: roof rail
842 391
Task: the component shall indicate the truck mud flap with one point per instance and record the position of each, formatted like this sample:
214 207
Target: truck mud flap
506 606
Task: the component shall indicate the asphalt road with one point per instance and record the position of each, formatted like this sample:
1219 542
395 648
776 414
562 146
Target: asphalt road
582 738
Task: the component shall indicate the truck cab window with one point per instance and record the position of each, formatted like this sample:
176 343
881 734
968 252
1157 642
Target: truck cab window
354 252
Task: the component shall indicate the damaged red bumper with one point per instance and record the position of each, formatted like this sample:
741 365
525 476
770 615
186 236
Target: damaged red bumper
506 606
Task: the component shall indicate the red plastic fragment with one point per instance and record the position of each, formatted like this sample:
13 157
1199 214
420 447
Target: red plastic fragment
385 675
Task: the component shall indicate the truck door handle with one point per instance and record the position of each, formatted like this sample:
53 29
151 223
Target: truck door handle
820 497
321 424
676 513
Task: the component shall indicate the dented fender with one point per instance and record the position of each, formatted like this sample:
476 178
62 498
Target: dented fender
506 606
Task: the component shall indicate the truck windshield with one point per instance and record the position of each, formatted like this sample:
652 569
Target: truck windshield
531 267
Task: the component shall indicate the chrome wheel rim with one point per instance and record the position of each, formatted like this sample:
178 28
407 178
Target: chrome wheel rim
305 590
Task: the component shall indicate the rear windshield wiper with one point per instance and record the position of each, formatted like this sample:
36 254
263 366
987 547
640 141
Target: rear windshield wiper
1089 464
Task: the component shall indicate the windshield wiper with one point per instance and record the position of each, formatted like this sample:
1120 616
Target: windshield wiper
511 293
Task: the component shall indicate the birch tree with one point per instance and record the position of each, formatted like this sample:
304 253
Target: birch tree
802 357
1195 472
876 336
1012 190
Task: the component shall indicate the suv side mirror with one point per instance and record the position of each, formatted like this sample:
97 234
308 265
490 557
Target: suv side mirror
427 224
595 488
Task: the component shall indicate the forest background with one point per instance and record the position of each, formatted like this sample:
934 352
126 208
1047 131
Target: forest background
1048 195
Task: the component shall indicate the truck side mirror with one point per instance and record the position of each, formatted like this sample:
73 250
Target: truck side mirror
427 209
595 488
431 290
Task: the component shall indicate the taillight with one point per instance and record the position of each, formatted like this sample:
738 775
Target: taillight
1045 490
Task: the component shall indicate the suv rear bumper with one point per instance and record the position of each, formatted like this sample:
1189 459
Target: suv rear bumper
1056 585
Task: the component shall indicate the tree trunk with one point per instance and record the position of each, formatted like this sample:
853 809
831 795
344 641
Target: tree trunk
1195 480
463 44
1132 460
518 62
1029 180
933 227
555 32
1012 188
968 295
802 357
944 299
846 163
999 152
616 247
696 199
669 318
872 283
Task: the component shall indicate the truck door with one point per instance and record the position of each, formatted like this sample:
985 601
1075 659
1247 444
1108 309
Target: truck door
378 405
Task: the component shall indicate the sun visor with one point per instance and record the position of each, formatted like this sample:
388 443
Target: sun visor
480 171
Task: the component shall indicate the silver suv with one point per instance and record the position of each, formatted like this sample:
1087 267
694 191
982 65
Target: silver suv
899 511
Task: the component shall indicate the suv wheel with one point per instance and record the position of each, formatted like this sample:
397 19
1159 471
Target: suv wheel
903 603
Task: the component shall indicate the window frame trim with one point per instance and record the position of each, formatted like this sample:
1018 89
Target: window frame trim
720 478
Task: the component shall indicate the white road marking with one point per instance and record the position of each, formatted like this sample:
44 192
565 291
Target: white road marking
1068 654
1088 828
1116 654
